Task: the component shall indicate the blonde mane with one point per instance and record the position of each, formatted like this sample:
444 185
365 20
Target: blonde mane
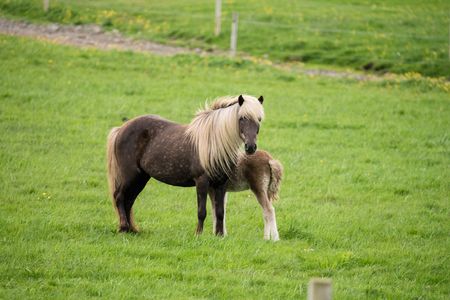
215 132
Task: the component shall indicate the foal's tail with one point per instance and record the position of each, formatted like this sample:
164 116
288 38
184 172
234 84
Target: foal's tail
276 174
113 171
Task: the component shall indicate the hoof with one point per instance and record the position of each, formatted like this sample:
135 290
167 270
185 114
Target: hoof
128 228
220 233
275 236
199 230
133 229
122 230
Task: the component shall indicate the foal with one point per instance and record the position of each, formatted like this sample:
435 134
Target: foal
262 174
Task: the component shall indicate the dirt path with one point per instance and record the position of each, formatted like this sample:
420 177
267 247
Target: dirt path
85 36
94 36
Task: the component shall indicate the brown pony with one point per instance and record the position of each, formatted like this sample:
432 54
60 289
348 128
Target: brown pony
201 154
262 175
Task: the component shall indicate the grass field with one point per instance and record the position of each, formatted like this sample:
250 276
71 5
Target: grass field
365 199
396 36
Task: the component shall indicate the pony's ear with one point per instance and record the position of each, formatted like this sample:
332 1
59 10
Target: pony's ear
241 100
261 99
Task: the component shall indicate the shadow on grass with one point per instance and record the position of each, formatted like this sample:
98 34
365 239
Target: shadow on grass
294 233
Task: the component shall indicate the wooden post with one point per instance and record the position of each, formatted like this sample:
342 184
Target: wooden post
234 33
319 289
46 5
218 17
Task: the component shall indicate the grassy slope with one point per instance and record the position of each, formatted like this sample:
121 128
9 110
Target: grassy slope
364 200
396 36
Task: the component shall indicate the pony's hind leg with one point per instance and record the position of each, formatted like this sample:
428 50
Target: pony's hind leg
138 186
126 195
119 205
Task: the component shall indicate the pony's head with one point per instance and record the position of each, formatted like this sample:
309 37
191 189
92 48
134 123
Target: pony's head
250 116
218 131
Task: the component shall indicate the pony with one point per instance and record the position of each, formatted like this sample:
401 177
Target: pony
201 154
262 175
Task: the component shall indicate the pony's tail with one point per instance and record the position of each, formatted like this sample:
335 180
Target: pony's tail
276 174
113 170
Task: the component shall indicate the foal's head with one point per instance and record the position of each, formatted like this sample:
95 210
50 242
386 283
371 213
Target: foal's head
250 117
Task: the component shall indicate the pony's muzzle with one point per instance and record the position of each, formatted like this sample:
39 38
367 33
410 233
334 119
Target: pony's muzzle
250 149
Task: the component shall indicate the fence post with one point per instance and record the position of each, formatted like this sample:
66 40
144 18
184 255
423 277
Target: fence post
46 4
319 289
218 17
234 33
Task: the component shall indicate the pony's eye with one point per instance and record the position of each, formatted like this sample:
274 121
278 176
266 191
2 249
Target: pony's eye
259 119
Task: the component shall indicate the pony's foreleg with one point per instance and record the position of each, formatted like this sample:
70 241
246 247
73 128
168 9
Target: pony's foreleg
270 223
213 209
202 195
219 201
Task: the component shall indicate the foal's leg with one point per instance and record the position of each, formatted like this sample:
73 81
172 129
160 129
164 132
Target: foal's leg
225 200
213 207
201 185
274 228
270 223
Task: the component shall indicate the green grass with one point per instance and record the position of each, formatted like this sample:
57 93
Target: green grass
364 201
395 36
